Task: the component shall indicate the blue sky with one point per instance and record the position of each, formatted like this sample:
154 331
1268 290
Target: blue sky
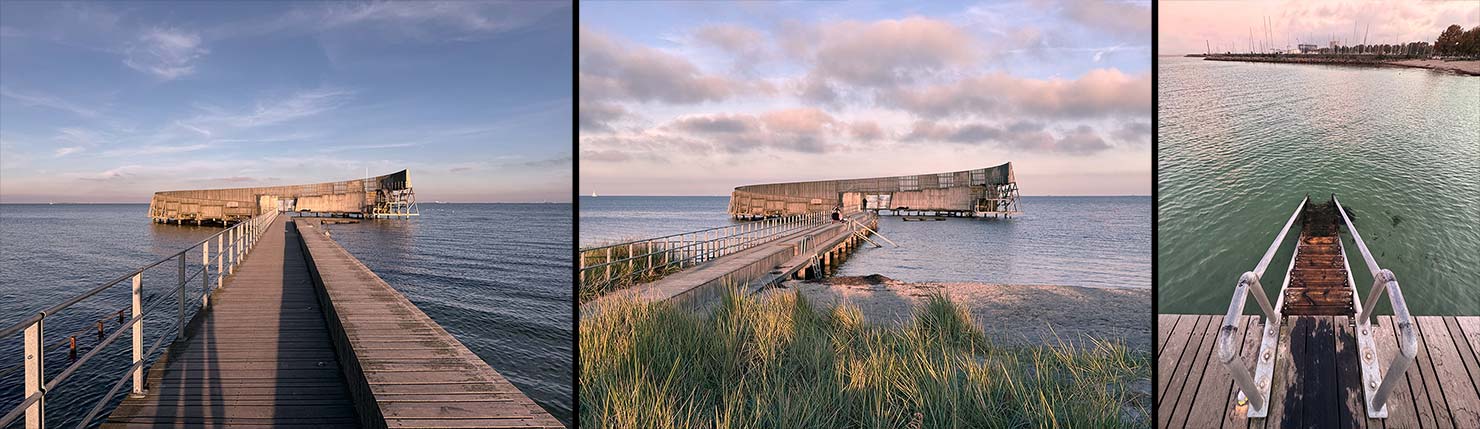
695 98
109 102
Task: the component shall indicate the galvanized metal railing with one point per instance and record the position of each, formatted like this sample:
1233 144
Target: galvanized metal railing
1382 281
1228 335
604 266
232 244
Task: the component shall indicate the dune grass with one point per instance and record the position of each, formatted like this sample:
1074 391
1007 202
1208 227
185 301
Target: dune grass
777 361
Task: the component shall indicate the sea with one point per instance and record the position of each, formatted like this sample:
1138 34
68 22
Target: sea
496 276
1071 241
1241 143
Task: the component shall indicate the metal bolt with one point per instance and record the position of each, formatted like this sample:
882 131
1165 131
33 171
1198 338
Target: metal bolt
1364 331
1367 356
1261 384
1372 383
1268 355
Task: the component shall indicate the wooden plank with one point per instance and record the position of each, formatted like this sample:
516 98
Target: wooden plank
1201 365
1435 392
1422 406
1402 413
1320 402
1165 323
1450 373
1206 406
1166 363
1183 366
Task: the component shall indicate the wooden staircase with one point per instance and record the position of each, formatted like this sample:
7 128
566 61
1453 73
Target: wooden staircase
1318 280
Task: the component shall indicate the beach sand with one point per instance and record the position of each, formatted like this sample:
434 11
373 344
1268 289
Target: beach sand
1471 68
1010 314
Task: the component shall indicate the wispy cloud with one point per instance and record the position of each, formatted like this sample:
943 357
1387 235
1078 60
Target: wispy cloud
166 53
47 101
272 111
68 151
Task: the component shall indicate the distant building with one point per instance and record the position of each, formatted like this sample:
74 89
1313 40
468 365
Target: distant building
1306 48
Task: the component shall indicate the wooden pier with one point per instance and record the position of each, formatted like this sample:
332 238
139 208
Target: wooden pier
806 250
292 331
1316 382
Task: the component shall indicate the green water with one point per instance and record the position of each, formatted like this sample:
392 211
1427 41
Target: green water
1241 143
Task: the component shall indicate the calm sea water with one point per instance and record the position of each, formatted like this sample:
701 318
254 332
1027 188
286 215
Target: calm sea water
496 276
1077 241
1241 143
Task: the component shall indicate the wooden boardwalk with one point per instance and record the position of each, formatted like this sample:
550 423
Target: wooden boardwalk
305 335
406 370
1317 377
260 355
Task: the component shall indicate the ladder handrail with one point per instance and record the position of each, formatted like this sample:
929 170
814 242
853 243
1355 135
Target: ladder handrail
1383 280
1228 334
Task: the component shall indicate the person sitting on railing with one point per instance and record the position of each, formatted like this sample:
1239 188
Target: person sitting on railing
837 214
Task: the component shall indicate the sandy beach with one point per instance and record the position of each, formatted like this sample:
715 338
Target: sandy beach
1010 314
1471 68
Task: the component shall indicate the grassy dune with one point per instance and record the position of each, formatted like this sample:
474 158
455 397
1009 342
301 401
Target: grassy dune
777 361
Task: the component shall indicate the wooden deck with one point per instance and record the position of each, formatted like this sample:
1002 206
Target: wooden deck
305 335
1316 376
259 355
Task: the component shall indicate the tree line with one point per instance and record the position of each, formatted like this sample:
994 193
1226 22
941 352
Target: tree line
1456 41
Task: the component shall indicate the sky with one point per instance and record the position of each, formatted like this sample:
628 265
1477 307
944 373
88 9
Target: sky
1190 27
110 102
698 98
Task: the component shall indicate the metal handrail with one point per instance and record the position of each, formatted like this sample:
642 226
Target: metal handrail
688 248
242 237
1384 280
1228 334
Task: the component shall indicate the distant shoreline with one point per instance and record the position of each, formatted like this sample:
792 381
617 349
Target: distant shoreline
1465 67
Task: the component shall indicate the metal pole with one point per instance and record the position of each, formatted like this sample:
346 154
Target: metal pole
180 321
35 373
229 253
205 271
220 262
138 337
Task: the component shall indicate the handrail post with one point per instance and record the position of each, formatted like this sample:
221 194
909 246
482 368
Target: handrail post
231 251
180 321
138 337
35 375
220 262
205 271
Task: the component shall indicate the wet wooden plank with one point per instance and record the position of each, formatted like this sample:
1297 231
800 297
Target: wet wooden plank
1320 400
